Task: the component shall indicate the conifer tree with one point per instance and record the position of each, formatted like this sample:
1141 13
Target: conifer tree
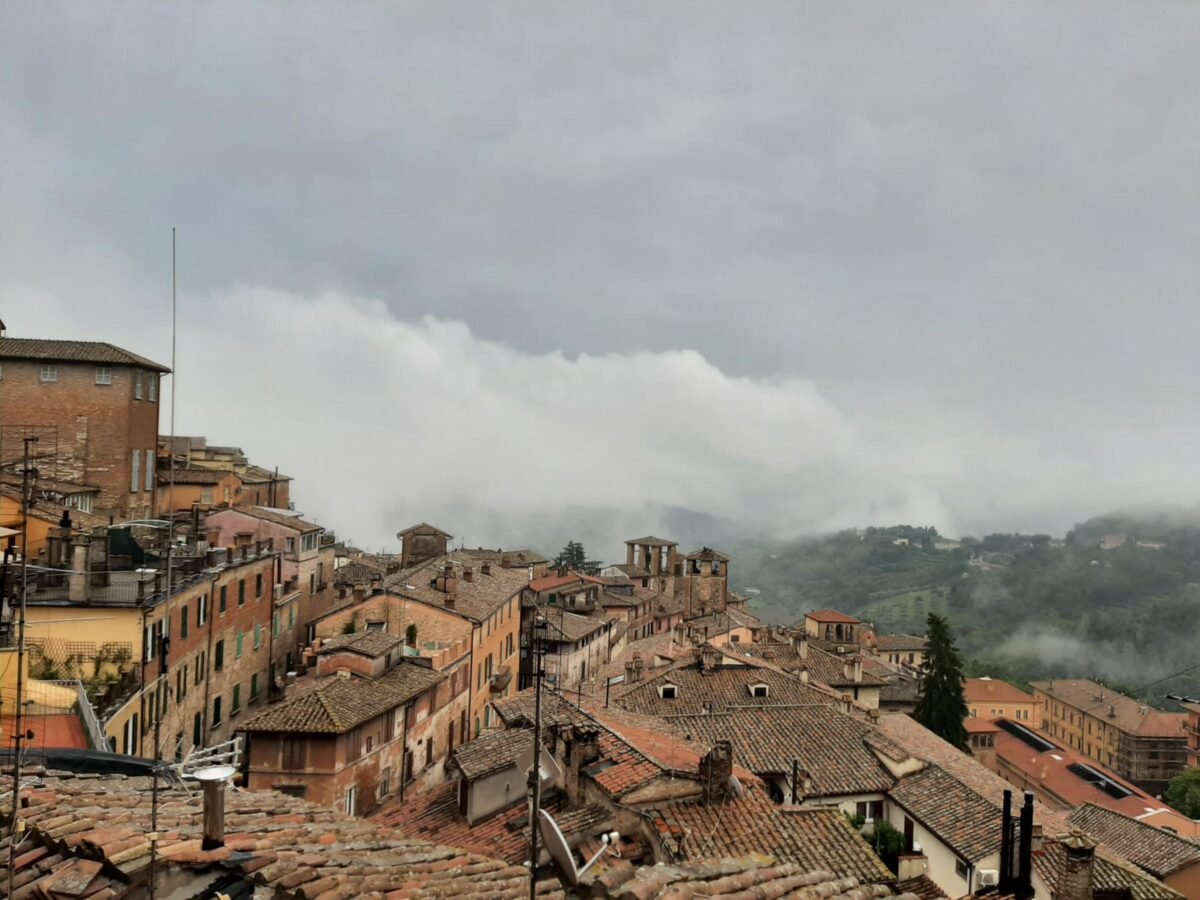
574 557
941 706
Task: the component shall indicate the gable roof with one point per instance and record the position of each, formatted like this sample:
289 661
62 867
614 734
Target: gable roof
476 599
1158 852
493 752
96 352
837 750
371 644
823 666
813 839
338 704
899 642
831 615
964 820
652 542
993 690
724 687
275 517
191 476
423 526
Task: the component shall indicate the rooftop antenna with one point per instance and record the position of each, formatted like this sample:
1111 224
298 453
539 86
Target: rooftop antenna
18 827
165 621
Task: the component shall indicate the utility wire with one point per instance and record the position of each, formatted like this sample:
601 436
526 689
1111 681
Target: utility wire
1138 690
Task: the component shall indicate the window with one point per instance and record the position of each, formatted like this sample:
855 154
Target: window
668 692
309 541
236 703
137 392
200 663
183 625
238 644
103 375
961 869
292 616
385 782
216 716
275 624
312 584
291 548
258 585
295 753
253 687
135 472
870 810
49 374
149 643
758 690
257 635
352 799
201 610
219 657
206 494
152 386
241 592
149 470
198 730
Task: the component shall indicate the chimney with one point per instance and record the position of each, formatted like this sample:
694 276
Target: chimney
582 750
376 585
1024 885
633 669
359 594
800 644
873 716
214 815
77 586
485 568
912 865
1075 879
847 703
716 770
857 662
710 658
803 670
847 669
468 574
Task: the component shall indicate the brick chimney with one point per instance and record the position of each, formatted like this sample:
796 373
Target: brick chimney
710 659
468 574
485 568
633 669
1075 879
800 644
716 769
582 749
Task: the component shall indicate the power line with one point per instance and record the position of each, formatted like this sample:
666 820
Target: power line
1138 690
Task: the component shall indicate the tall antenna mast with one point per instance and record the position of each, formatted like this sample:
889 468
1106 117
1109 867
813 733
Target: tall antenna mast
163 636
17 828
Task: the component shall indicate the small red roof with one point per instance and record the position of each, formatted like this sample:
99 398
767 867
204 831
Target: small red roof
831 615
980 726
981 690
550 582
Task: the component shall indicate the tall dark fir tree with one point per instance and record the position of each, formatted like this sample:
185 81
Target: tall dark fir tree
574 557
941 705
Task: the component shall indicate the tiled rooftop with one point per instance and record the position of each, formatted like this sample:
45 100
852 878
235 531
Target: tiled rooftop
190 476
896 643
1107 876
338 704
832 616
823 666
1118 710
490 753
724 687
757 876
97 352
810 838
836 748
1112 869
1158 852
288 847
993 690
476 599
368 643
965 820
273 516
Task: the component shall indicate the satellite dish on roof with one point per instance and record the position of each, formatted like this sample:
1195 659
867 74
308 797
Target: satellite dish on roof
214 773
549 770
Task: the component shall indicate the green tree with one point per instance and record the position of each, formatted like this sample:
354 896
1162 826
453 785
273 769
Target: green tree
941 706
574 557
1183 793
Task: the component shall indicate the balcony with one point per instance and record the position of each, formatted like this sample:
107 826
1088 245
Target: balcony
500 680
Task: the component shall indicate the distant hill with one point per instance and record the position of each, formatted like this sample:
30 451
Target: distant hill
1117 598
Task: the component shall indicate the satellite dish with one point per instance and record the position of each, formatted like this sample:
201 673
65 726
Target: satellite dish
549 770
557 846
214 773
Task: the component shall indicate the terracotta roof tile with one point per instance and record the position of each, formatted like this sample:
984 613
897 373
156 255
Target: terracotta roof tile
1118 710
98 352
965 820
724 687
476 599
1158 852
983 690
831 615
492 752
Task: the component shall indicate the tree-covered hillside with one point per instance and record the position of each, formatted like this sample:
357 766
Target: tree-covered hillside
1118 598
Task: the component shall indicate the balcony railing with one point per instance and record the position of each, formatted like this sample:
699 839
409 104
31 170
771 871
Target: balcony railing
87 713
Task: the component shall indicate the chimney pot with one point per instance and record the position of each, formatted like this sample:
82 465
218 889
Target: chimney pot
716 770
214 815
468 574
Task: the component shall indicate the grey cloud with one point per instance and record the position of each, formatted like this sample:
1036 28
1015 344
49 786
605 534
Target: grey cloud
971 227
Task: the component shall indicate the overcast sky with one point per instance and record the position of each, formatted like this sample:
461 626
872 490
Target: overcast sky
541 270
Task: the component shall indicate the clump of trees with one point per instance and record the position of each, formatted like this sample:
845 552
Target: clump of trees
1183 793
574 557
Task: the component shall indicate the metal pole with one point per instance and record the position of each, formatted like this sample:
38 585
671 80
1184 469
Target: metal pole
535 773
15 830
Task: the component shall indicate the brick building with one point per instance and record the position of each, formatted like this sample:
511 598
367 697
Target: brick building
94 409
183 489
344 740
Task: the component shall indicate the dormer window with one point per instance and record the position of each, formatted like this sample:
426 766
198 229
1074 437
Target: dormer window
759 690
668 691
